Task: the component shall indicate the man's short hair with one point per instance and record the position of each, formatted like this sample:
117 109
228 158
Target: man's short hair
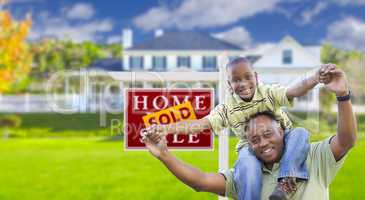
268 114
237 60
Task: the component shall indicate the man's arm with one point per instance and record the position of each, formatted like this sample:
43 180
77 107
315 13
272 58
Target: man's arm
346 135
301 87
193 177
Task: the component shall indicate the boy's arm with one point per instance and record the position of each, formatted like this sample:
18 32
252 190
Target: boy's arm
182 127
215 121
301 87
193 177
188 126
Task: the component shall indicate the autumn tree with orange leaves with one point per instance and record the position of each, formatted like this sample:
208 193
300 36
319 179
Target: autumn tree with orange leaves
15 56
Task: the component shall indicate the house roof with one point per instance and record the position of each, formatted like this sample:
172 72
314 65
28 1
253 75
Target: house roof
108 64
184 41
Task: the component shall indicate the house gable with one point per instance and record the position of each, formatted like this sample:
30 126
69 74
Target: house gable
301 57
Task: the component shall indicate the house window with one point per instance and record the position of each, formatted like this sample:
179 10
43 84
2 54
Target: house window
287 56
183 61
136 62
209 63
159 63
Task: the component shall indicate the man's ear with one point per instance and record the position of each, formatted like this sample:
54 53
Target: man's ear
281 131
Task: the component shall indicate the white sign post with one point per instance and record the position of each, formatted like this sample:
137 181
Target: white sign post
223 136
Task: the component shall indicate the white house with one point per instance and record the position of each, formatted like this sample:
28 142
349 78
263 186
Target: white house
180 59
172 55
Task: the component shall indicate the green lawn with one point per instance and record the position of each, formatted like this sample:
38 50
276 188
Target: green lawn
92 168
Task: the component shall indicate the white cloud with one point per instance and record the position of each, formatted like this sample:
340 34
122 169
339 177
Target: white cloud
203 13
308 15
46 25
348 2
154 18
24 1
114 39
347 33
237 35
80 11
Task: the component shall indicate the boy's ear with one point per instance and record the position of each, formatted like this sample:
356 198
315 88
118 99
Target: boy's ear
230 87
256 77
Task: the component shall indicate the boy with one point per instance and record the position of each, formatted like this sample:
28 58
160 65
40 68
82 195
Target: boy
246 98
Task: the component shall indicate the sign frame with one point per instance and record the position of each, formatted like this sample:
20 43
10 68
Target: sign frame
211 148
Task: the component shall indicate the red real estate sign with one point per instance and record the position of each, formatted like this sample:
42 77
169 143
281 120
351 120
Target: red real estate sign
146 107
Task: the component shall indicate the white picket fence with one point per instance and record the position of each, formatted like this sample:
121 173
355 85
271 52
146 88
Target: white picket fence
40 103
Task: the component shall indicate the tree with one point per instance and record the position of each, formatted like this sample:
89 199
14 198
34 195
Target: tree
115 50
56 55
15 56
353 63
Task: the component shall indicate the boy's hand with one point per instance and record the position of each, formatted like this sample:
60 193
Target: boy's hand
324 73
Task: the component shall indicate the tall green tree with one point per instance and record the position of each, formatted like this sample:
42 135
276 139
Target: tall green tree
353 63
57 55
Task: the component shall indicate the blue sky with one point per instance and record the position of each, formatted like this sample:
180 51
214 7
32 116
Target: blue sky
246 23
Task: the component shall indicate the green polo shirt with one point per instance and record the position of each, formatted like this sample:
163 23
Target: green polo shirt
322 168
235 112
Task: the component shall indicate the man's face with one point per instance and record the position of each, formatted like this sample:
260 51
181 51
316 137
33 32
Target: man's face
266 139
243 80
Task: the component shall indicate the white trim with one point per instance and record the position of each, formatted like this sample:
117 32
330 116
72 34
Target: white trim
166 76
181 52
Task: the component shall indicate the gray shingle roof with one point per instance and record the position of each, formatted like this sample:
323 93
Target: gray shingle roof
184 41
108 64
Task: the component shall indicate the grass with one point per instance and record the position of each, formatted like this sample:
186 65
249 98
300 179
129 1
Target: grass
63 125
47 165
92 168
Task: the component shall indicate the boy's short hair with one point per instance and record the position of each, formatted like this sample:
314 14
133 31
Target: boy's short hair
237 60
269 114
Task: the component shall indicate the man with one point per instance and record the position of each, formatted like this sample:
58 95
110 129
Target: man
266 140
246 98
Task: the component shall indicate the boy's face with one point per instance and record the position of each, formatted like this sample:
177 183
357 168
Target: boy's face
243 80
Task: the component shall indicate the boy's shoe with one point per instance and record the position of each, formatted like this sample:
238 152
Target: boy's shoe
284 189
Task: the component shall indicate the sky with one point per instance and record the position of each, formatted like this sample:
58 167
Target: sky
246 23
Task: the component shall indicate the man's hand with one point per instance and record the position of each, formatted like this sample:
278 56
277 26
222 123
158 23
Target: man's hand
157 147
157 131
338 82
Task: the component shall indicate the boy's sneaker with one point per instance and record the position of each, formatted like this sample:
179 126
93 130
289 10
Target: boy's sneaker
284 189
